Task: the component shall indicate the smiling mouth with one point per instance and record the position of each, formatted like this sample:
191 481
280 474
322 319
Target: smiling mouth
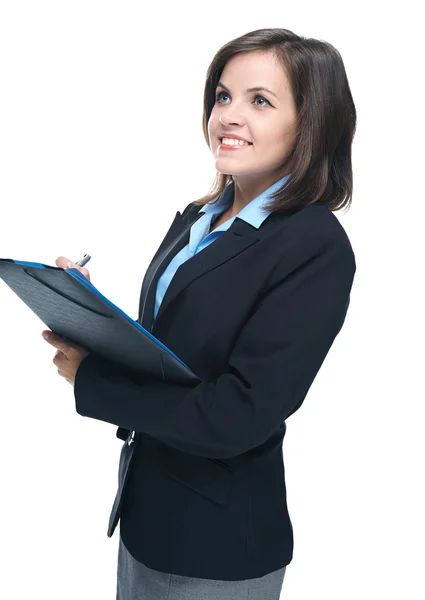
244 142
242 145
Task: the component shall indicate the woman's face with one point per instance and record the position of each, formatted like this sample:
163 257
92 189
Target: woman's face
265 119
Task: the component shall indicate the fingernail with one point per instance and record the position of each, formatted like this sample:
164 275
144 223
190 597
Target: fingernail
46 335
70 265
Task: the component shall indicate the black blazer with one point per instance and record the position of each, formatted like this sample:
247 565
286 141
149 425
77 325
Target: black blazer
253 315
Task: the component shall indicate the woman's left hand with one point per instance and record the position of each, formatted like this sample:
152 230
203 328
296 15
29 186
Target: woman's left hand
68 357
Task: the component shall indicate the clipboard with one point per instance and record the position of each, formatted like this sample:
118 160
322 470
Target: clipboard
71 306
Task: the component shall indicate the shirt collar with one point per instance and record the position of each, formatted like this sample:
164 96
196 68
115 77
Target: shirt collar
253 213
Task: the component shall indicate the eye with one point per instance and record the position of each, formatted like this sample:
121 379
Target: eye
218 96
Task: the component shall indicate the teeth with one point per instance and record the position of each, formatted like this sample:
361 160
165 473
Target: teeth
232 142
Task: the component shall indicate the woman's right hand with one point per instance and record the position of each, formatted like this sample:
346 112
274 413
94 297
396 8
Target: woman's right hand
62 262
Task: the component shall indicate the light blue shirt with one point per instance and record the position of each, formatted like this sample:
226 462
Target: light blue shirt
252 213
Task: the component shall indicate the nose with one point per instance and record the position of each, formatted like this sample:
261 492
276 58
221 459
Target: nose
230 119
231 116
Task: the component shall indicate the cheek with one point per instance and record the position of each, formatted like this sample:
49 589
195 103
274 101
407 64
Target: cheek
271 142
281 137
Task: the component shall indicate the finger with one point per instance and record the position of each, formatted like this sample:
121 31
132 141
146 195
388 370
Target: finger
55 340
62 262
58 358
82 270
71 265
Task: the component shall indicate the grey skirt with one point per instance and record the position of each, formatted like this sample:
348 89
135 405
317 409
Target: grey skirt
135 581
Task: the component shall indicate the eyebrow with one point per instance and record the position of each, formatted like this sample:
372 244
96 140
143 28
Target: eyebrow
252 89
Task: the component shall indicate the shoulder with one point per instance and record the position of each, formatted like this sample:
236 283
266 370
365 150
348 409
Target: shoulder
316 227
312 239
317 221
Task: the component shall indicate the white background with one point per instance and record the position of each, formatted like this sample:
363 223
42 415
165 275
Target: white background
100 144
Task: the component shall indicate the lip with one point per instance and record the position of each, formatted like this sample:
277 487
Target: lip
233 148
233 136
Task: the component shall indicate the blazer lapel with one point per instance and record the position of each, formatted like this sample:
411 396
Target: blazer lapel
175 239
236 239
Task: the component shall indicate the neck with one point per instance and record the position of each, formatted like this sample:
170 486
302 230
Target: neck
247 188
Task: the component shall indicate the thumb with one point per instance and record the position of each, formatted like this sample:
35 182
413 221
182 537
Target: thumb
65 263
62 262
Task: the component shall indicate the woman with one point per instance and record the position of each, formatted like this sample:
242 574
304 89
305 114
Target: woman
249 287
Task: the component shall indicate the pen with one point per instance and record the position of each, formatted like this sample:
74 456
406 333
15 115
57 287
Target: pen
83 261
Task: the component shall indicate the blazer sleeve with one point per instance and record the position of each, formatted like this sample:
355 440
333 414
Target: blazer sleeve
274 361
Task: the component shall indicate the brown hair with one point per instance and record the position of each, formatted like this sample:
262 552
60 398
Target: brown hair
326 118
